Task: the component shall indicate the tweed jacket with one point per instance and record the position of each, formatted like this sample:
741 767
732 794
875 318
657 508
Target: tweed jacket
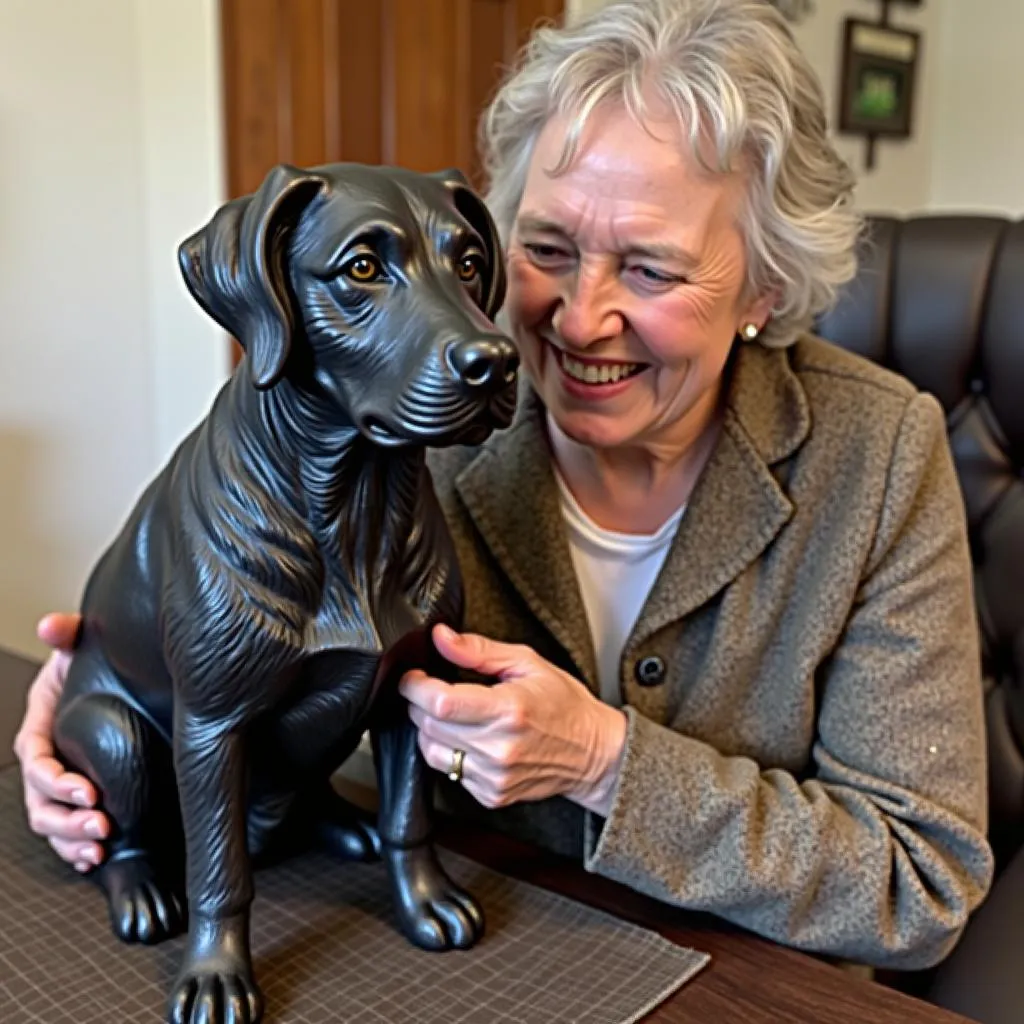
805 755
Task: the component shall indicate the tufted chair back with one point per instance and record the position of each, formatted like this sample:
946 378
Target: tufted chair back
940 300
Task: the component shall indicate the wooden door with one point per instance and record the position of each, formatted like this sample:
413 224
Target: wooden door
375 81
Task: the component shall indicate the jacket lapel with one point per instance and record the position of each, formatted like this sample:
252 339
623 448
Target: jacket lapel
734 512
510 492
737 507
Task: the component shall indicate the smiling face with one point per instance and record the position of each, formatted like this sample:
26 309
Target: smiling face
626 284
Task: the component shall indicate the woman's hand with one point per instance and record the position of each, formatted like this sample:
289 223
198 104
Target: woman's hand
535 733
52 794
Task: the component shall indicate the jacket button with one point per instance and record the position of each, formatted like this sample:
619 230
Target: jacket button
649 671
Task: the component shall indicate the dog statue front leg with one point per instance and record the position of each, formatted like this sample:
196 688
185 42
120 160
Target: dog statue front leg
434 913
215 984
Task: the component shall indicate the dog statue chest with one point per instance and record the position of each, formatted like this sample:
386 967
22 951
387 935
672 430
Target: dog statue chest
339 626
347 621
378 558
348 657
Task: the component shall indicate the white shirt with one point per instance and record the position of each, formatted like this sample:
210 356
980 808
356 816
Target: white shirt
615 572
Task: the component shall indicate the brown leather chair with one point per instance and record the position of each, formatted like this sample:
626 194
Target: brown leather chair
940 300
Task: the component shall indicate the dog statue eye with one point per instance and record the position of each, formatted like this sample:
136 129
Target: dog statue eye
470 268
364 269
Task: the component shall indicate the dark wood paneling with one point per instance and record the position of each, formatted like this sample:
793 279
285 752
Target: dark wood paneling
370 81
252 93
427 94
491 50
530 13
358 79
394 81
304 95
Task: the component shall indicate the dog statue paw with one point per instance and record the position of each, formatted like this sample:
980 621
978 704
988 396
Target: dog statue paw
252 618
433 912
143 907
215 984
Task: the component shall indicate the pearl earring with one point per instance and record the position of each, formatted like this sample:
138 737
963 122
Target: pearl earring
751 331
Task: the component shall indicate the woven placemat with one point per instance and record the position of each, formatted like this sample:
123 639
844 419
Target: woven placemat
325 949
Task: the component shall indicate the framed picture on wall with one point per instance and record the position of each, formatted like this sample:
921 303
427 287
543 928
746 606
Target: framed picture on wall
879 78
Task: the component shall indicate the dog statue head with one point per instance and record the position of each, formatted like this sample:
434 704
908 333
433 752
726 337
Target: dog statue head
378 286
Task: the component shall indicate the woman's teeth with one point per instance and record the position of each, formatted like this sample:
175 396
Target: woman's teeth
606 373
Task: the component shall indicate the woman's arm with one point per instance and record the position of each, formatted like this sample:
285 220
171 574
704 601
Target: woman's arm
880 856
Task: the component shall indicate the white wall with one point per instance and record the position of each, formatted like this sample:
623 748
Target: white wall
978 153
184 181
108 156
900 182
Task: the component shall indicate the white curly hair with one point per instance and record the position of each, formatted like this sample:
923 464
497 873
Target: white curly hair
732 73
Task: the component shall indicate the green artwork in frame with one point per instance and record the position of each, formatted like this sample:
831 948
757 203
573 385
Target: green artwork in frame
878 94
879 72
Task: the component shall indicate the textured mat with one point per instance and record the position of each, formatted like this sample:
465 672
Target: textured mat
325 949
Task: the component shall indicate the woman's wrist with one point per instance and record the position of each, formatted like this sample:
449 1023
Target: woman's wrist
600 780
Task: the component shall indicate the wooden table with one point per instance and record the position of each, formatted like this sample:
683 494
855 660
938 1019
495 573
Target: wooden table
15 675
749 980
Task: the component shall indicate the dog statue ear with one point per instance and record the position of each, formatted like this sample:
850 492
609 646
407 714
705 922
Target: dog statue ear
473 208
236 267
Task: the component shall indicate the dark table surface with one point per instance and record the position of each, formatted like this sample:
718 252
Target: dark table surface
15 675
749 980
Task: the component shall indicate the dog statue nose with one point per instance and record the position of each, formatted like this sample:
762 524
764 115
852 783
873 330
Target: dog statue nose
485 363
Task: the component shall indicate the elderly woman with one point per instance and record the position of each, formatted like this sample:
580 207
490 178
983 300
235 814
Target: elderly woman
718 583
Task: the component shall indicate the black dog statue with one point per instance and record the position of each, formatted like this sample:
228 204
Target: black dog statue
251 620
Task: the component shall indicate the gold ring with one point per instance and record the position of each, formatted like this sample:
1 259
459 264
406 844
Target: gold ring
455 772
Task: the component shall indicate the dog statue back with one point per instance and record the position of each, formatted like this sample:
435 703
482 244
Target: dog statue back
252 617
